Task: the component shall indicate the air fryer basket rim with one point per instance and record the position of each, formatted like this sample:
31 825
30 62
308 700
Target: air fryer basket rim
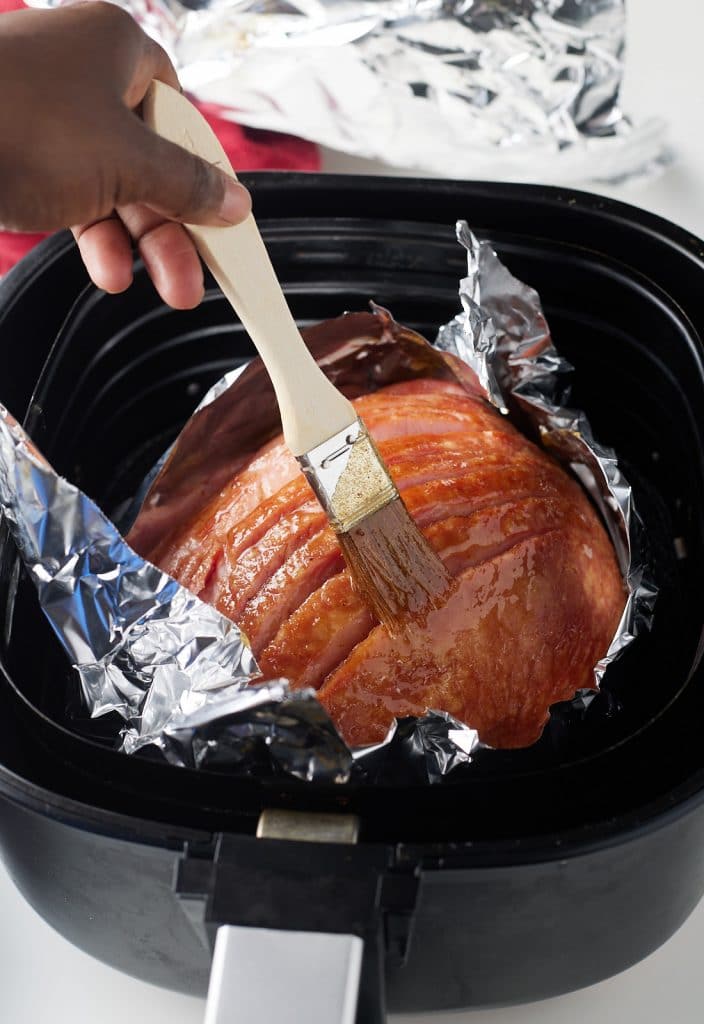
572 199
561 845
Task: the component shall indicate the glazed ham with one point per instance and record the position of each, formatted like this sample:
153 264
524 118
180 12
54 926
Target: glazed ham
536 594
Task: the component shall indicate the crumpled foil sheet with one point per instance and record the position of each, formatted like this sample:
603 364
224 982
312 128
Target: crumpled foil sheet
182 676
502 334
502 89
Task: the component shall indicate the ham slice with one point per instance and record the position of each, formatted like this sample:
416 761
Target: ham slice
535 601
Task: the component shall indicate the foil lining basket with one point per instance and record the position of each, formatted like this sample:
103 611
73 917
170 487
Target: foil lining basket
182 676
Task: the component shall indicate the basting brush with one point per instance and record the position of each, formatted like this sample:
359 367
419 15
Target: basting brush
390 560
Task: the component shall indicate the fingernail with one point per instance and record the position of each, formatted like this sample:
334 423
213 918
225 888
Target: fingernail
236 203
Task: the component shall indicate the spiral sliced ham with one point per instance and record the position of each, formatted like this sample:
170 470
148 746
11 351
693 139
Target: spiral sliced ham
536 598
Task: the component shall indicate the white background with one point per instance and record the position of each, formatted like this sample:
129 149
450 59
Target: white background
44 979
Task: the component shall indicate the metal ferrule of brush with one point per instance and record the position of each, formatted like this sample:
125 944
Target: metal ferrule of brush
348 476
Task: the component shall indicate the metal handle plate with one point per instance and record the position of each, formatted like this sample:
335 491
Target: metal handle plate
283 977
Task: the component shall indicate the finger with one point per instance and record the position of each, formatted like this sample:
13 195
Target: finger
106 250
153 63
169 256
161 68
176 183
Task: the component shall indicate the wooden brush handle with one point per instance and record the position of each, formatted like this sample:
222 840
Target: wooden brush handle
312 409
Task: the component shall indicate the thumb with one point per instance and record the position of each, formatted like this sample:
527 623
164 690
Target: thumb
178 184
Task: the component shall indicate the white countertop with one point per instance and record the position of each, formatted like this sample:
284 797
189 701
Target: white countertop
43 978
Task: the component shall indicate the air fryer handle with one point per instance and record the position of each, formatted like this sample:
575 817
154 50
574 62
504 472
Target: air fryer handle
283 977
301 920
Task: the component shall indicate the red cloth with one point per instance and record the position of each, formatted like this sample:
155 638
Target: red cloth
249 149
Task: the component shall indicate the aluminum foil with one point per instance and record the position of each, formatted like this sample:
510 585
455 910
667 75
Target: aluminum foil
502 334
183 677
502 89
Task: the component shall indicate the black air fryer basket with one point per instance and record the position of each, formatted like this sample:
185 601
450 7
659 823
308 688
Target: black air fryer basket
528 874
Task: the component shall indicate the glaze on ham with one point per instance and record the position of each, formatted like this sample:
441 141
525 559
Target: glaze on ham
536 598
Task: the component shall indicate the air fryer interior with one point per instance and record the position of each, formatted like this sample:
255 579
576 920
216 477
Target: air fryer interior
126 372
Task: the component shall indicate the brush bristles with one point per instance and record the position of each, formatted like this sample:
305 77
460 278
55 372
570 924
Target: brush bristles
392 563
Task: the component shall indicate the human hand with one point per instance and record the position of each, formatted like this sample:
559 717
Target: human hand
74 152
